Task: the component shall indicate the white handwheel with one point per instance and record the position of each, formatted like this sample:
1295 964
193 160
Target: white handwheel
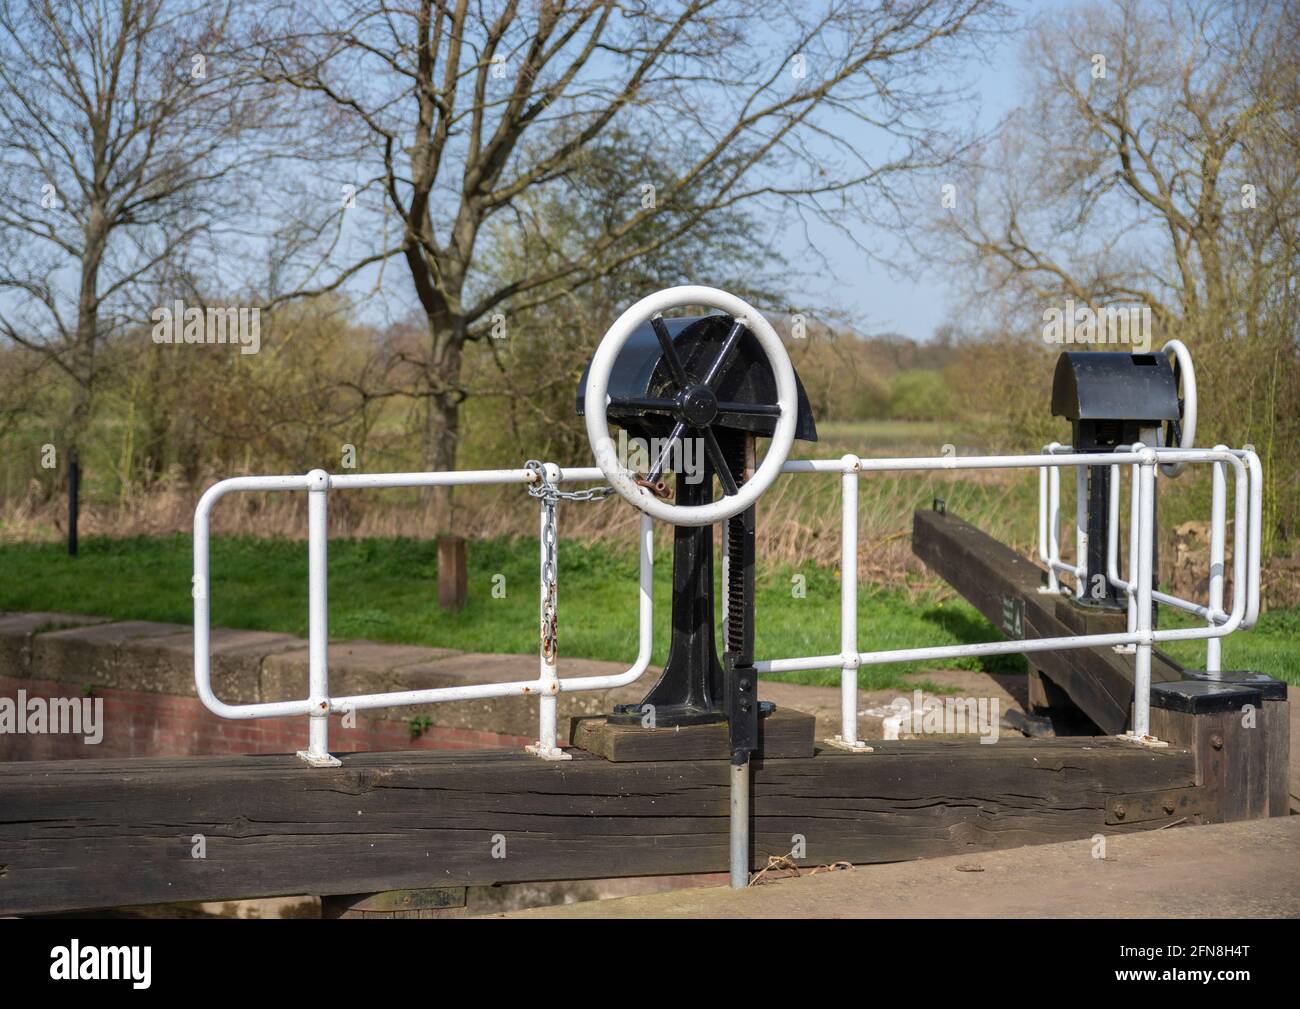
695 404
1180 433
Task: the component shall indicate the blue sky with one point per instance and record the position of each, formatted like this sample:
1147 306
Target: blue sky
880 299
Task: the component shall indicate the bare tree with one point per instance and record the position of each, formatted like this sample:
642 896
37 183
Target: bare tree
1154 163
116 131
462 114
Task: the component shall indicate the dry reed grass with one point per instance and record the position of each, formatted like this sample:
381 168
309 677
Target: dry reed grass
799 524
800 519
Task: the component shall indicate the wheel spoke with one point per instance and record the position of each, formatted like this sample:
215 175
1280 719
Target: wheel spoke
750 409
657 470
652 404
675 367
724 352
719 461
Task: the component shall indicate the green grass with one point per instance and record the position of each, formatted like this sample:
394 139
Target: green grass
385 590
1272 646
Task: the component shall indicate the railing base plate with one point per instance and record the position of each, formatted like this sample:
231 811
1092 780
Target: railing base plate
1151 741
547 752
840 743
323 760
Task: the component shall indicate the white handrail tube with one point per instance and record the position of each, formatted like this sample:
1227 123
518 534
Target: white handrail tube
1146 538
1218 520
1080 531
849 601
318 686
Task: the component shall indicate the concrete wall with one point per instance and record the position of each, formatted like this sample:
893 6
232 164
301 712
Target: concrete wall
142 672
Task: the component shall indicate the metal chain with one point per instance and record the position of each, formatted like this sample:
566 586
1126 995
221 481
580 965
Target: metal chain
544 490
549 494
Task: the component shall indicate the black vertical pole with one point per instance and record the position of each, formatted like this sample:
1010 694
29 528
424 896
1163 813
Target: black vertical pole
741 679
1101 593
74 488
738 661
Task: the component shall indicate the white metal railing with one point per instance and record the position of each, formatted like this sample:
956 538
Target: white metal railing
319 704
1143 462
1049 547
1140 634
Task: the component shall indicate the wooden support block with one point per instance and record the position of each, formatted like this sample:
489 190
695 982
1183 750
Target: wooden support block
453 577
1047 700
1036 687
1273 719
784 733
1228 743
1082 618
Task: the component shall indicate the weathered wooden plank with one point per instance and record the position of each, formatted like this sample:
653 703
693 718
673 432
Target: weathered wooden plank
82 834
1277 728
988 574
784 733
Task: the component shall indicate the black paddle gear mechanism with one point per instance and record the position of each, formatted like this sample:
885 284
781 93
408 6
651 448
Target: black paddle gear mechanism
695 394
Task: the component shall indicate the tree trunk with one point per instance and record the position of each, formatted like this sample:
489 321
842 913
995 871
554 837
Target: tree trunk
87 335
442 416
441 435
156 422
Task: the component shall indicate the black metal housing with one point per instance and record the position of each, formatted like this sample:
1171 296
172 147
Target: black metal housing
746 377
1111 399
